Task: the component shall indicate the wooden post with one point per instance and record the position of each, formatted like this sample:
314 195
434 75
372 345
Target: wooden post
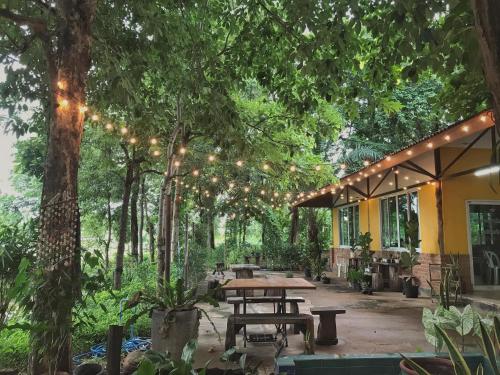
114 349
439 200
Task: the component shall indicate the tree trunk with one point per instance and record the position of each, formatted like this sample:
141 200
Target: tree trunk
186 249
122 236
167 202
161 240
134 226
487 21
110 229
211 231
294 226
176 220
151 231
58 250
141 221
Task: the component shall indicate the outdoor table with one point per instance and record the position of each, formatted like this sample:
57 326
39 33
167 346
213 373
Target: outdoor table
244 271
391 274
271 283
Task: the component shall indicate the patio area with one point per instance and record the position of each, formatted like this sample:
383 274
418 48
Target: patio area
384 322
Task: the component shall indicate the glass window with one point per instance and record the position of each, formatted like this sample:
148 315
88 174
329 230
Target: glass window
349 225
396 212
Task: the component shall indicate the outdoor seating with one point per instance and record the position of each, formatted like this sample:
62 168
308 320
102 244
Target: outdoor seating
304 322
327 328
493 264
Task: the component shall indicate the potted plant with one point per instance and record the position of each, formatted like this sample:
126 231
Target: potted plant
174 316
318 265
354 277
289 275
409 258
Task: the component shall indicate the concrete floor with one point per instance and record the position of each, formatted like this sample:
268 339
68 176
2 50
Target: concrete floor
382 323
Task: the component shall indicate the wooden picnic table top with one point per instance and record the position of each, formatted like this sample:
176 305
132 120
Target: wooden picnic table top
239 267
269 283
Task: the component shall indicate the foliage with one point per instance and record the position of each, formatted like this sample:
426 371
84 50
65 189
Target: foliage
361 247
355 275
409 257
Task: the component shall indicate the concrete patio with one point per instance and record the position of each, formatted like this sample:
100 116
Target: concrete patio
382 323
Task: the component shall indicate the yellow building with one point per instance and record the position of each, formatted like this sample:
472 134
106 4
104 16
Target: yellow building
450 181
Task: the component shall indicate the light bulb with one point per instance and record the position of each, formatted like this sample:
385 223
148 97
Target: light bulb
123 130
83 108
95 117
317 168
109 126
153 141
239 163
156 153
211 158
293 168
133 140
182 150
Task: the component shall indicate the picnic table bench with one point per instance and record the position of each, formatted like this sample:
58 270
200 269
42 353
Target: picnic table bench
327 328
304 322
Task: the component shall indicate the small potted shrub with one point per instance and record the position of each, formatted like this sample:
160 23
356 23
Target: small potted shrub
325 279
409 259
354 277
289 274
175 318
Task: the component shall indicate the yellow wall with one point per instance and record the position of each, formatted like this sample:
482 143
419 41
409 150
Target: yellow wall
428 219
457 191
335 228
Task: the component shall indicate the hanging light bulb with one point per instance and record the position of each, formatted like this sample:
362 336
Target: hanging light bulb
366 163
133 140
123 130
343 166
95 117
182 150
214 179
262 192
153 141
109 126
61 85
231 185
211 158
265 167
196 172
83 108
156 153
177 163
317 168
246 189
239 163
293 168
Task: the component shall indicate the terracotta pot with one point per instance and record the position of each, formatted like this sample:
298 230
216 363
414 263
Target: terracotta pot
172 338
441 366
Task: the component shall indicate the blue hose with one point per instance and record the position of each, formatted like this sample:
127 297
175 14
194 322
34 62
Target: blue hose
130 345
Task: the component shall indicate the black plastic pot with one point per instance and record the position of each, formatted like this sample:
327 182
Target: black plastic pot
307 272
89 369
410 290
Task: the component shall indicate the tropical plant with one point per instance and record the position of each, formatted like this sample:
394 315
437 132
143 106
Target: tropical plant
362 248
355 275
490 344
173 298
409 258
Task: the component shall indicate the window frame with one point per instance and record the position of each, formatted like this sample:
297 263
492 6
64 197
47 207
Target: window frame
396 195
354 220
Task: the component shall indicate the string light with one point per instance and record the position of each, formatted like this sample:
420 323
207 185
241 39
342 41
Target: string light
231 185
177 163
153 141
95 117
465 128
239 163
265 167
109 126
262 192
211 158
343 166
430 145
293 168
246 189
366 163
196 172
156 153
182 150
133 140
83 108
447 137
317 168
214 179
409 152
123 130
64 103
61 85
483 118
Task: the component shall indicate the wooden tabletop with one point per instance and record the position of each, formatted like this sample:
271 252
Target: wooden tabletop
269 283
239 267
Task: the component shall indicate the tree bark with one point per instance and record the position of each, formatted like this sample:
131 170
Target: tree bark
294 226
176 219
141 220
186 249
134 226
487 22
161 240
58 250
167 202
110 229
211 231
122 236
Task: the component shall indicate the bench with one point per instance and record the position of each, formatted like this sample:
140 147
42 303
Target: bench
304 322
293 301
327 328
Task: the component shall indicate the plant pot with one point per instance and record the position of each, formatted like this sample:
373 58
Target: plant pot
441 366
307 272
410 290
89 369
182 326
317 278
325 280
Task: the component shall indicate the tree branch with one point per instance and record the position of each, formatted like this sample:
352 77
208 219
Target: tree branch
38 25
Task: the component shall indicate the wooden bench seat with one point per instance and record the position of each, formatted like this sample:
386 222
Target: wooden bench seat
327 328
304 322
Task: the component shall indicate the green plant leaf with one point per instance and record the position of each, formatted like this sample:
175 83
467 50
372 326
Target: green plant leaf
146 368
488 348
458 360
415 366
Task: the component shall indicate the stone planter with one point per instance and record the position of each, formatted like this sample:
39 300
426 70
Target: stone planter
183 326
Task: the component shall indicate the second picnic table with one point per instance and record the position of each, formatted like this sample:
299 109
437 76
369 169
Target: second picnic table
271 283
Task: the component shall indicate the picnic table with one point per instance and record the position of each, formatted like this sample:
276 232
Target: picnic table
244 271
280 318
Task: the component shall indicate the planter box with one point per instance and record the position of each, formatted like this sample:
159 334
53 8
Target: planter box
361 364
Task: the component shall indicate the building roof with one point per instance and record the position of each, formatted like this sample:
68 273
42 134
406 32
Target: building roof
329 195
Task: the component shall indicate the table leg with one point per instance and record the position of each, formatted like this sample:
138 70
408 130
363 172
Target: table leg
244 312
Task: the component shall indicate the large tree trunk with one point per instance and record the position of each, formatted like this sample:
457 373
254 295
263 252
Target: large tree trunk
211 231
161 240
167 202
58 252
294 226
134 226
186 249
176 219
487 21
109 229
141 220
122 236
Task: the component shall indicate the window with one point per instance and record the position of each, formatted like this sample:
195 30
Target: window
396 212
349 225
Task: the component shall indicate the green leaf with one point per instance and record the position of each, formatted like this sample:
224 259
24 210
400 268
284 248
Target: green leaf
489 348
415 366
189 350
145 368
458 360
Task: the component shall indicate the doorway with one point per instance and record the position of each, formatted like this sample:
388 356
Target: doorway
484 243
